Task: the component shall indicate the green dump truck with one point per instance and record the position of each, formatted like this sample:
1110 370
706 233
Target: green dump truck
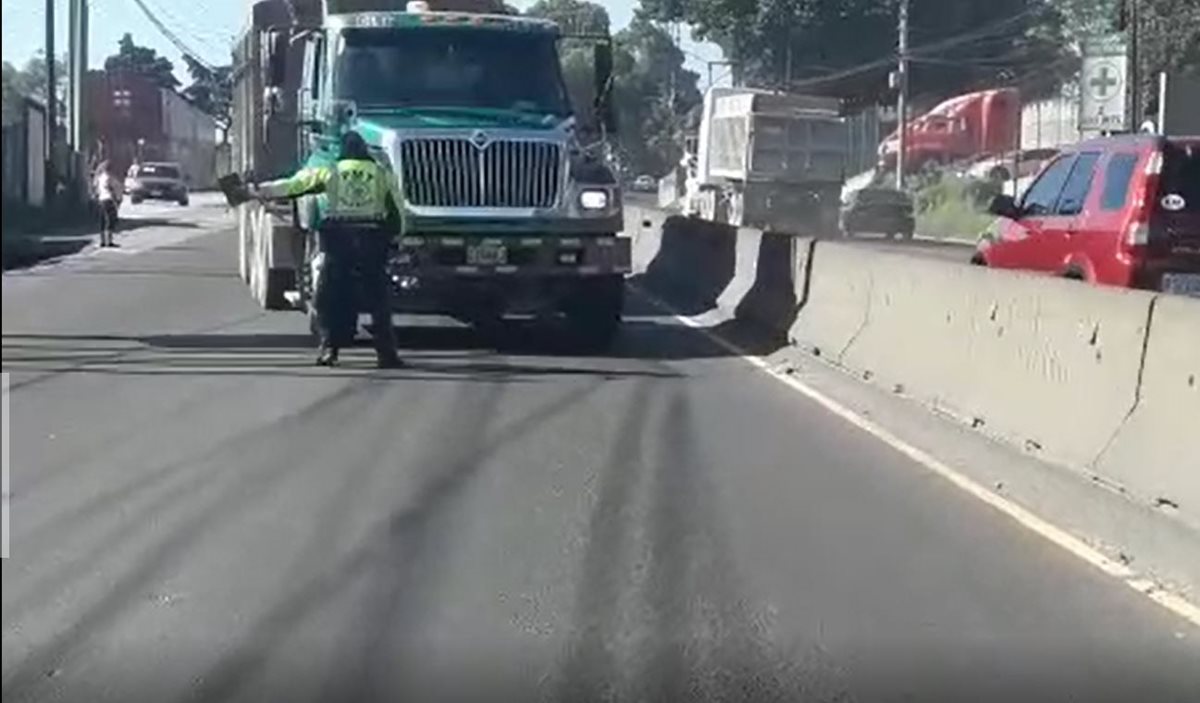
510 206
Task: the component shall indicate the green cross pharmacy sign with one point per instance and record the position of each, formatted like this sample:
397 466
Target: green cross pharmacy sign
1103 87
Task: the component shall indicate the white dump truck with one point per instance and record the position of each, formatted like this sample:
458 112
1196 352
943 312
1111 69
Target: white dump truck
769 160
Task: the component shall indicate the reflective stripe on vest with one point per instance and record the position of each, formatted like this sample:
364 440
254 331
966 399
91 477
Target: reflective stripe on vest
358 191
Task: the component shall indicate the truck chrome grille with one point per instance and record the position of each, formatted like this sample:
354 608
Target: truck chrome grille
453 172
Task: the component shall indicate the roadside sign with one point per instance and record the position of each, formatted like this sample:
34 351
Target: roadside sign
1103 85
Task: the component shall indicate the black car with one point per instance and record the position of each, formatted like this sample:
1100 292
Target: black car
884 211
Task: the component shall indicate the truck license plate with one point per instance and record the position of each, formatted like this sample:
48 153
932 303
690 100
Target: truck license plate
487 255
1182 283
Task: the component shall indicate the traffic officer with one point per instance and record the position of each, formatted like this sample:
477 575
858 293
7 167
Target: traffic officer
361 215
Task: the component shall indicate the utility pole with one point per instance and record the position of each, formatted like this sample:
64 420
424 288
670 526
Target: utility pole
1135 65
77 68
787 69
902 95
51 105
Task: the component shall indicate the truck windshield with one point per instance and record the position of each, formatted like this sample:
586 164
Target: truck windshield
451 67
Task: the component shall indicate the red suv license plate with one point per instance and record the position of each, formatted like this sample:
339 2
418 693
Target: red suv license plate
1181 283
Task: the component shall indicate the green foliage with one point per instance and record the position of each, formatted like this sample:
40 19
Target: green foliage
798 43
131 58
1170 40
211 91
949 207
1169 32
652 91
30 81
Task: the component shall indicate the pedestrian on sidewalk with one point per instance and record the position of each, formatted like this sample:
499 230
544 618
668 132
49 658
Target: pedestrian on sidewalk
107 188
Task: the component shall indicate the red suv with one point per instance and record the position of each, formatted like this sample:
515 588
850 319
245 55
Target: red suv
1122 211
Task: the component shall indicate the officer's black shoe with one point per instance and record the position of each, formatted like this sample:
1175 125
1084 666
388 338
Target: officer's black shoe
384 360
327 357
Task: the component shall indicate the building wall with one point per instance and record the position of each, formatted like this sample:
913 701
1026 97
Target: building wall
132 119
190 139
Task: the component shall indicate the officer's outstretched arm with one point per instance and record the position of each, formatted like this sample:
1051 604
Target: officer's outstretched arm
306 181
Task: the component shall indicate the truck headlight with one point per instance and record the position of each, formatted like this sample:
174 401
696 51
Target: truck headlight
593 199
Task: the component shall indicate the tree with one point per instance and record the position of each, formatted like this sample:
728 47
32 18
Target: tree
847 47
576 16
211 91
30 82
1169 40
652 92
573 16
131 58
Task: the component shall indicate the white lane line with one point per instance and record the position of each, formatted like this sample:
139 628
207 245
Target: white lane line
1171 601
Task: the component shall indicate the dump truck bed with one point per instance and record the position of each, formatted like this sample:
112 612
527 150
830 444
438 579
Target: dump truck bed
777 137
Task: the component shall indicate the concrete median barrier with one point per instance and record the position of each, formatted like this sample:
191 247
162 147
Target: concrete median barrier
1045 363
688 261
741 273
746 247
839 291
1101 379
1156 452
644 226
763 290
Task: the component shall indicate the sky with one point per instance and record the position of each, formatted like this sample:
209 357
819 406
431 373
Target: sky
207 27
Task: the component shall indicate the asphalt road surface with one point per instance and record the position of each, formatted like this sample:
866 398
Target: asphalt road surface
198 514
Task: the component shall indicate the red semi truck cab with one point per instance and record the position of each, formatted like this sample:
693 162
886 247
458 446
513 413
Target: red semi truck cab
961 127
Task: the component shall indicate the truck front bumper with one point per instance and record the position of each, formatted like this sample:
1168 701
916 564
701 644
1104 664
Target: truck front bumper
524 222
475 256
469 276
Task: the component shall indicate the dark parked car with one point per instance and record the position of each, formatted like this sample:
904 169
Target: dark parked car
644 184
156 181
878 210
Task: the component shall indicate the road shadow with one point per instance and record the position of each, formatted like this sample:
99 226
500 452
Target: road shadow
25 250
22 251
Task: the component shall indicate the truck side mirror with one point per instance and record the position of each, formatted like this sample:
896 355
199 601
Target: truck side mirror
277 50
341 116
603 60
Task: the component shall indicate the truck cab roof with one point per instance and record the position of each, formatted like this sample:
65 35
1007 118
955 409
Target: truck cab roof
437 19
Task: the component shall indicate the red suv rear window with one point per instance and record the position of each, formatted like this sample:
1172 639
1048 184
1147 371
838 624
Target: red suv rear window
1181 177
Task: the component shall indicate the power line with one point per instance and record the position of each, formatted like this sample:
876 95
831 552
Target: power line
948 43
172 37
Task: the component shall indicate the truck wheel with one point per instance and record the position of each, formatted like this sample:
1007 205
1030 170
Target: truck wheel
737 209
595 315
267 284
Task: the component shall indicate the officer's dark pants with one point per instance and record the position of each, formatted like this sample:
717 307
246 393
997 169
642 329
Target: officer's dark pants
345 249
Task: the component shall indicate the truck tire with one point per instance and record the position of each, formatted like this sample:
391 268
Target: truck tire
267 284
244 244
594 316
737 209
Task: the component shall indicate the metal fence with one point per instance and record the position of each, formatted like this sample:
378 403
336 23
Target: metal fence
1051 123
865 131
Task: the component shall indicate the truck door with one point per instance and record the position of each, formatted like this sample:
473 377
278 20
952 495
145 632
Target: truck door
309 107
